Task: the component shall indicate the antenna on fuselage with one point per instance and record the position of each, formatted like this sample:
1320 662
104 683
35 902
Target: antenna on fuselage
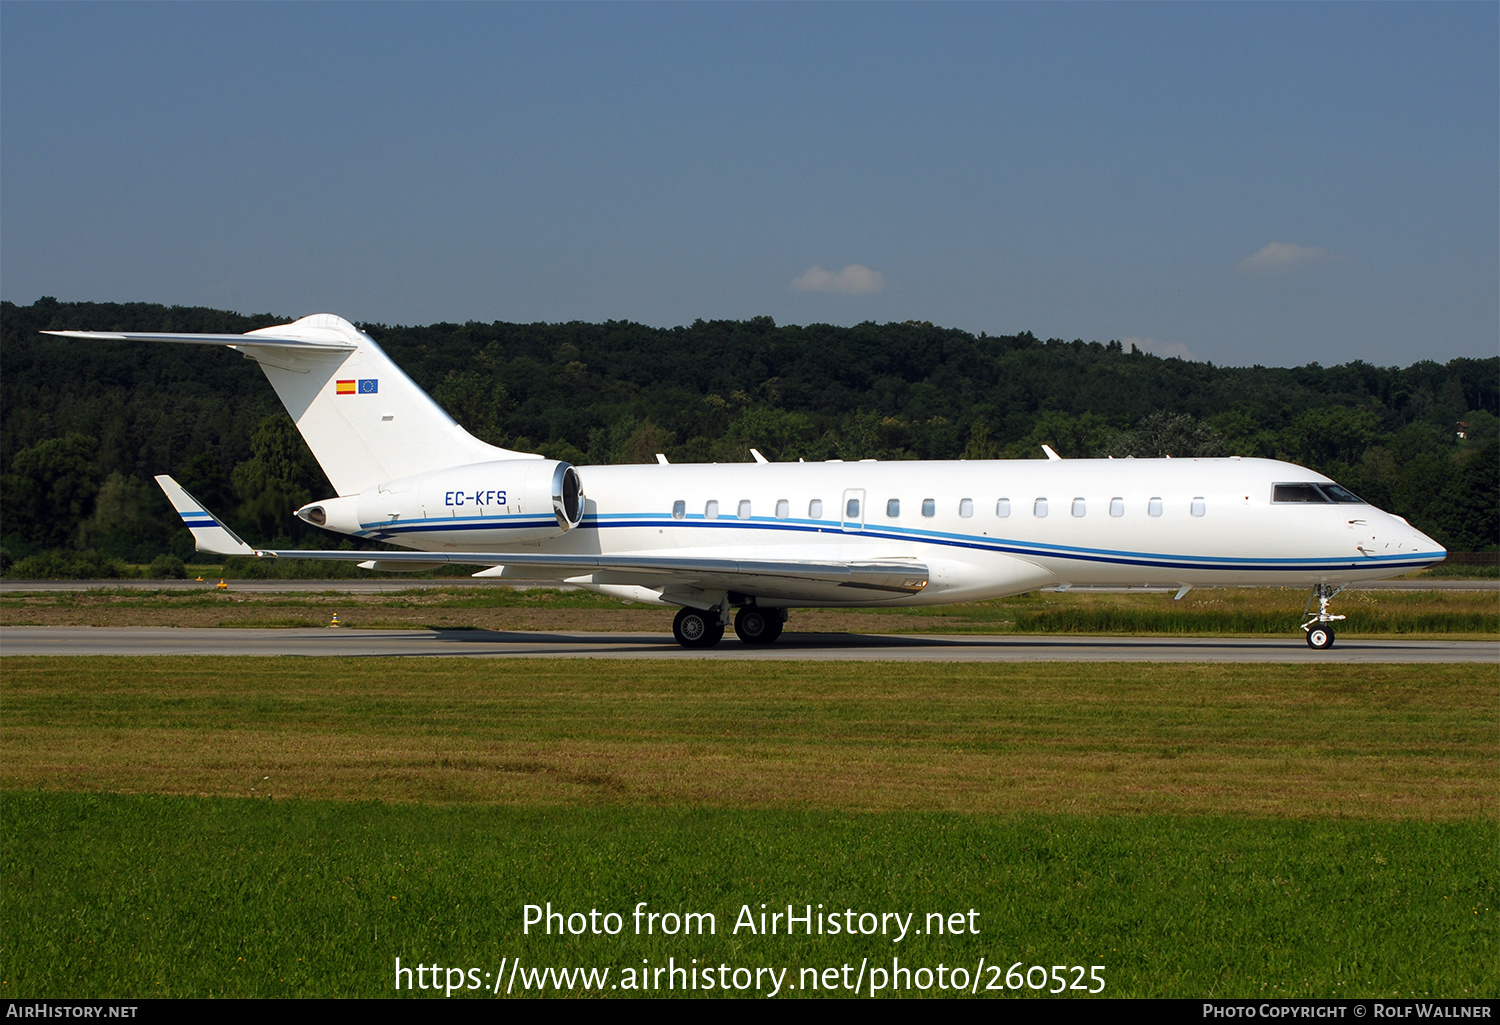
1051 454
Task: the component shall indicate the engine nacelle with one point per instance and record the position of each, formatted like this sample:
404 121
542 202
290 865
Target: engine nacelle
493 504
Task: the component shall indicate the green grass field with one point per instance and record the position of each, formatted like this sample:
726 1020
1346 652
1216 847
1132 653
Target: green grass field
114 896
292 826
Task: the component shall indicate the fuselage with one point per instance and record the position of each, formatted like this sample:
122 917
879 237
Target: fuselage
982 528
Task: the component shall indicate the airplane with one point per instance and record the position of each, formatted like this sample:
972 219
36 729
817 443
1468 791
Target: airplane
749 541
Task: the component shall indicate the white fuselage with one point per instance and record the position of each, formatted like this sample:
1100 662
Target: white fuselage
982 528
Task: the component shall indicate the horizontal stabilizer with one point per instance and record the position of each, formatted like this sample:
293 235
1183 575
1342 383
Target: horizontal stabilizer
238 341
209 535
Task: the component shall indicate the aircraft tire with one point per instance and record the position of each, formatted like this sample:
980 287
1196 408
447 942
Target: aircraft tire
757 626
694 628
1320 636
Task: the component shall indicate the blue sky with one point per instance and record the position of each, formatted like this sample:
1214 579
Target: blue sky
1264 183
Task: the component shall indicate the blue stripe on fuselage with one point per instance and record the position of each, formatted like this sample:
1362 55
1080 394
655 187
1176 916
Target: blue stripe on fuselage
948 540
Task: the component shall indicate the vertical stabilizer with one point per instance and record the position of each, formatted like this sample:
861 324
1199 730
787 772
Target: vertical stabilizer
364 419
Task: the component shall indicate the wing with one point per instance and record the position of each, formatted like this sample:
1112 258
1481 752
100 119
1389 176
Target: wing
673 576
769 579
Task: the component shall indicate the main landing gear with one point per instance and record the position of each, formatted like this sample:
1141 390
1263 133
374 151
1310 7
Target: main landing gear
758 626
699 628
1319 625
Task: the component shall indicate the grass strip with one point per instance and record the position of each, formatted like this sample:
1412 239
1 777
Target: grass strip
1369 741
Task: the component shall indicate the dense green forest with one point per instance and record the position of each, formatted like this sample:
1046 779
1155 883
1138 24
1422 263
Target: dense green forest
86 425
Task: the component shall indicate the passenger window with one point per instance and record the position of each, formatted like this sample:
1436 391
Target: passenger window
1079 507
815 509
744 510
1002 508
711 510
892 507
1153 507
966 507
851 510
679 510
783 508
1117 507
929 507
1198 507
1040 508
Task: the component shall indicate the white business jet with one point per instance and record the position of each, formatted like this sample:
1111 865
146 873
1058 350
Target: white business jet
749 541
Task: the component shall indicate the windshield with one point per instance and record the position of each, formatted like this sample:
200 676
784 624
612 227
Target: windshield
1317 493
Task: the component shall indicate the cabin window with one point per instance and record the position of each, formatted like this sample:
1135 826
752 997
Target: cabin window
893 507
1117 507
851 509
711 510
1080 508
966 507
929 507
1153 507
1198 506
1039 508
744 509
783 508
815 509
1002 508
679 510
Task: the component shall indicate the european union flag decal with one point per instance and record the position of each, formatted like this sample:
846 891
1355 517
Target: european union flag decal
369 385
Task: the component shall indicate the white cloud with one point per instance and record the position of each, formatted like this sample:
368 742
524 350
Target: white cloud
855 279
1278 257
1166 350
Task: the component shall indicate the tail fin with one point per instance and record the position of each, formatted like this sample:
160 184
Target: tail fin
364 419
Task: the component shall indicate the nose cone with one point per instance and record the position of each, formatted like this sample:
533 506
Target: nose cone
1407 542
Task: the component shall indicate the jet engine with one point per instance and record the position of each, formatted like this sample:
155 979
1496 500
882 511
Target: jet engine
494 503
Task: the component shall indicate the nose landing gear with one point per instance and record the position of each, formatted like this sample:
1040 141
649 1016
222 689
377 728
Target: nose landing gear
1319 625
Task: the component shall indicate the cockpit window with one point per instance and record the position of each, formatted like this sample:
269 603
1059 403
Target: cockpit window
1341 494
1297 493
1316 493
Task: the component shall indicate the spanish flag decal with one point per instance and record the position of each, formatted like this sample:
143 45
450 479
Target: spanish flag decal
344 388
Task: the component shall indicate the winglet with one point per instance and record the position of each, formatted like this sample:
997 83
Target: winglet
209 535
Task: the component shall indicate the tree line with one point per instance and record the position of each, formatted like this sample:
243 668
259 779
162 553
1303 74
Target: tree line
87 424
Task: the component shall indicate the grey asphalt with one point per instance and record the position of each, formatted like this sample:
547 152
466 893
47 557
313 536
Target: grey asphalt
70 640
385 584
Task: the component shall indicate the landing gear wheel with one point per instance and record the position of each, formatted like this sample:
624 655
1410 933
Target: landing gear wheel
1320 636
694 628
757 626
